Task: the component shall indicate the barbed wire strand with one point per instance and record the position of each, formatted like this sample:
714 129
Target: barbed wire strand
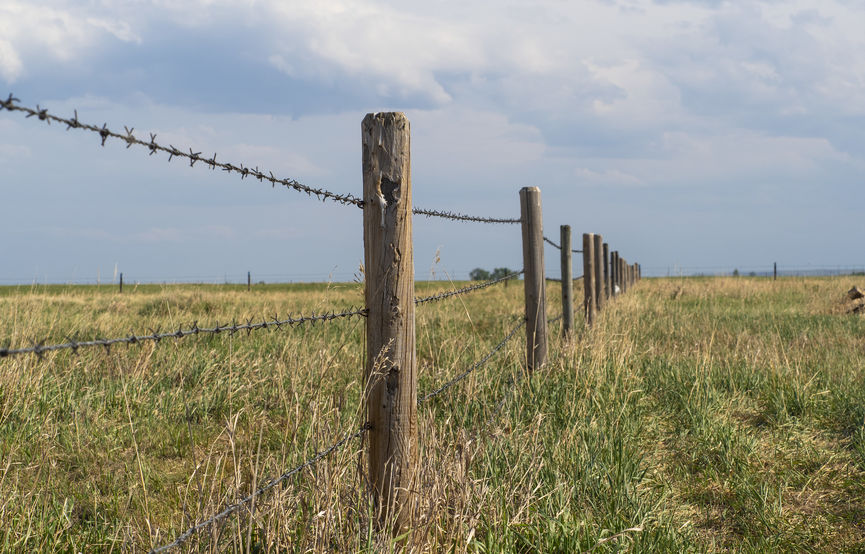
129 138
40 349
463 217
549 241
474 366
470 288
557 280
230 509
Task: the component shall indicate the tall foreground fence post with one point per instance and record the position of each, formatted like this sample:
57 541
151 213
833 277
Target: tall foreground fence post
390 374
600 277
589 278
607 272
534 282
567 282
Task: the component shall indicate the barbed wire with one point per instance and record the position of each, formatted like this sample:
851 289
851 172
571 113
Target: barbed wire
129 138
40 349
474 366
230 509
556 280
549 241
470 288
462 217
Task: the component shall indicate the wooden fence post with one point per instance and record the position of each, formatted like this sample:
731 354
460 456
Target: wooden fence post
614 272
775 271
600 299
623 265
121 282
567 282
589 278
608 274
248 281
390 374
534 281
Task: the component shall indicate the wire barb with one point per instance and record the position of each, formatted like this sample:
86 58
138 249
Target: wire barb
230 509
470 288
156 336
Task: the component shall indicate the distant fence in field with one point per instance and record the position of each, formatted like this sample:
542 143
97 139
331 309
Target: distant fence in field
390 374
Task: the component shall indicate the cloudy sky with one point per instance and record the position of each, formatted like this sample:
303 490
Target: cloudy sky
698 134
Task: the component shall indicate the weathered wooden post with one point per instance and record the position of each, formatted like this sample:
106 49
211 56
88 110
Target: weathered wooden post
390 374
534 281
600 299
248 281
608 274
567 282
614 270
623 264
121 282
775 271
589 278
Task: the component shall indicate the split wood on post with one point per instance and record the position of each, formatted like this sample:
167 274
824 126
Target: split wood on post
567 282
589 278
390 375
600 277
534 281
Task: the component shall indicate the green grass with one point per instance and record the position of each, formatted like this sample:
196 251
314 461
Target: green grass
712 414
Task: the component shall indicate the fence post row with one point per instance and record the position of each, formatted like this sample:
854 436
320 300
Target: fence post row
534 279
567 282
589 278
607 273
599 273
390 372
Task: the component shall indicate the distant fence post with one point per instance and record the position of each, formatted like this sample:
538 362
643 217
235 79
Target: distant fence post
614 272
600 299
775 271
589 278
121 282
248 281
390 375
623 266
567 282
608 275
534 281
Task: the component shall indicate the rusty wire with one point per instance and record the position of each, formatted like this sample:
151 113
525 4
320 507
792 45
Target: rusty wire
470 288
474 366
230 509
173 152
40 349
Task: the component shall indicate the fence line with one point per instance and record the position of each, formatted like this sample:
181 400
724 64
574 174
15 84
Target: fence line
156 336
389 307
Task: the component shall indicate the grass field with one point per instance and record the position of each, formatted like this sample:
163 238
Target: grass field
716 414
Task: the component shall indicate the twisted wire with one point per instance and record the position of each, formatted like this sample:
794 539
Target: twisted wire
470 288
463 217
105 133
129 138
551 243
230 509
556 280
474 366
155 336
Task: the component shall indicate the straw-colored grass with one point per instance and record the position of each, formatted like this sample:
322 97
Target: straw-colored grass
698 415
